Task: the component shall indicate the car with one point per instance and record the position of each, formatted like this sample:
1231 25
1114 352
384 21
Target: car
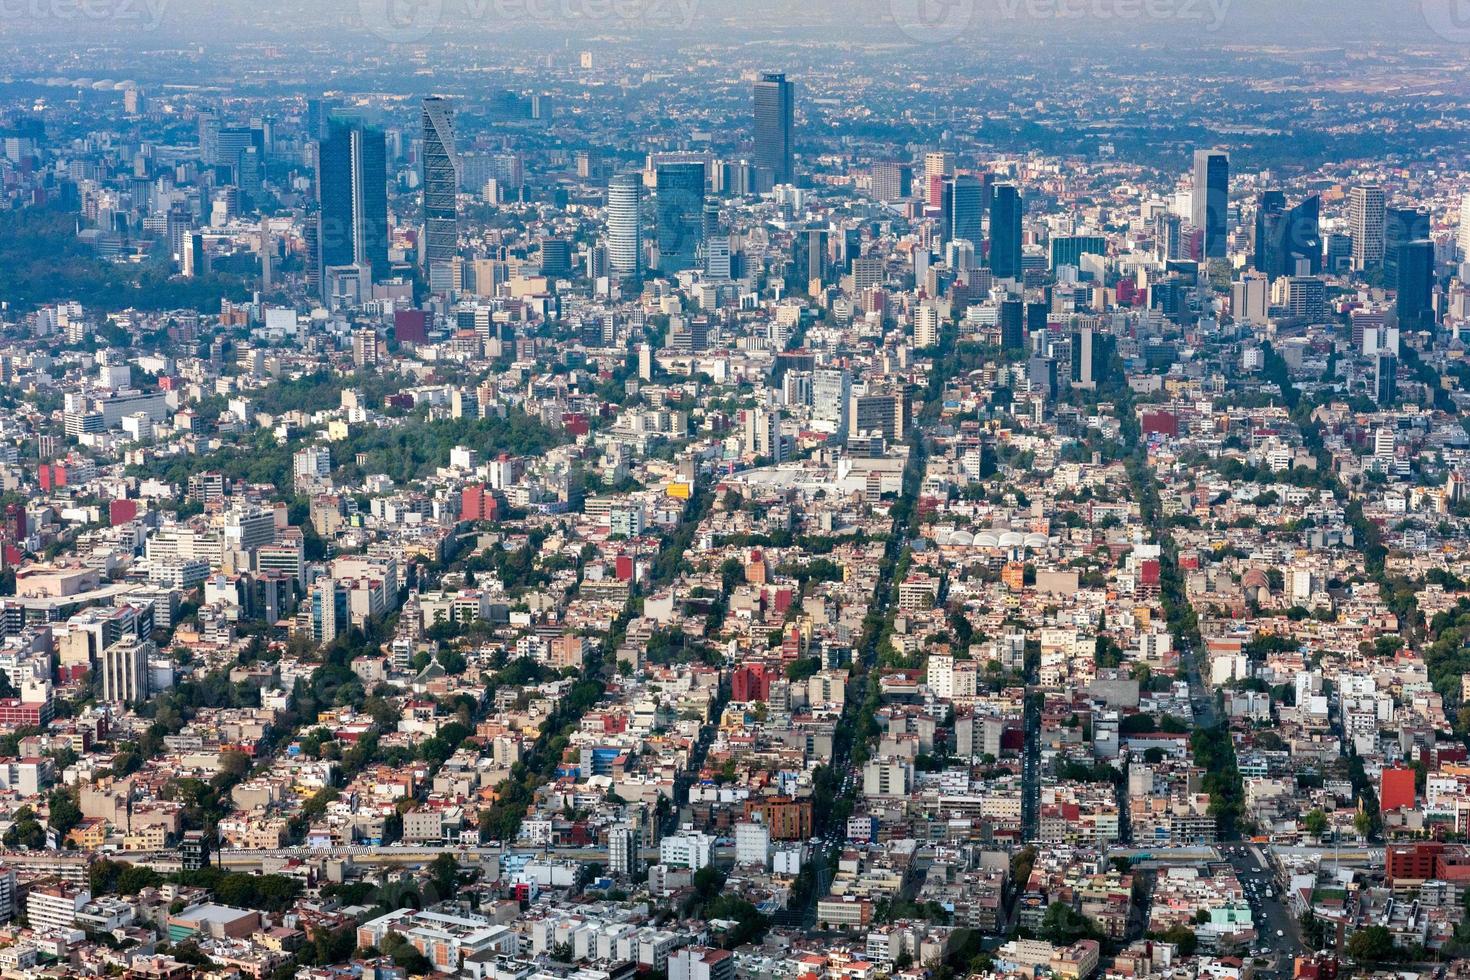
1280 934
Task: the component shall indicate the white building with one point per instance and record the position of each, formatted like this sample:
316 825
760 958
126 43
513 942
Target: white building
752 844
55 906
687 850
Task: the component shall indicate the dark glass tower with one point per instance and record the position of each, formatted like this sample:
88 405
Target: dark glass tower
441 185
352 194
1401 226
1414 267
1211 200
1269 208
775 112
680 210
1005 232
1012 324
1285 237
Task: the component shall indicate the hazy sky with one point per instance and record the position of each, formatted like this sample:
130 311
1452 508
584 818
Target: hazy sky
1205 23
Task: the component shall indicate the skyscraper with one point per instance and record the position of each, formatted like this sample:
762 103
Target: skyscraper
352 193
1385 378
1400 227
1464 235
1005 232
775 113
680 211
1269 206
809 260
1287 237
232 149
1210 202
625 226
441 184
938 167
966 217
1366 214
1012 325
1414 262
892 181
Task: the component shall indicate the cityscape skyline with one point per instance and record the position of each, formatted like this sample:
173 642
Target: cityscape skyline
649 490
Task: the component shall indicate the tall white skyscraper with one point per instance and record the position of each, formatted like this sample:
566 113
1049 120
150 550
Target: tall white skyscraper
1465 228
624 226
1366 209
831 394
926 326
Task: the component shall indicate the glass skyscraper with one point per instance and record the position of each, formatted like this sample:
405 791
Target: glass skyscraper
1210 201
352 194
775 108
1005 232
441 184
680 210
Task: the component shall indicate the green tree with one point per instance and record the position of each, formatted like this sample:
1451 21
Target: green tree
1371 945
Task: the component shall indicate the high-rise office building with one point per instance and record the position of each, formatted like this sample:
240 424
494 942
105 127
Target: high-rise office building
1400 227
1464 234
1366 215
1012 324
775 123
318 112
241 149
1286 238
1414 265
1385 378
352 194
441 186
892 181
556 257
625 226
124 667
1210 202
1269 207
1169 235
831 394
966 194
1250 298
810 264
1005 232
209 126
1085 351
680 210
938 167
1306 298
